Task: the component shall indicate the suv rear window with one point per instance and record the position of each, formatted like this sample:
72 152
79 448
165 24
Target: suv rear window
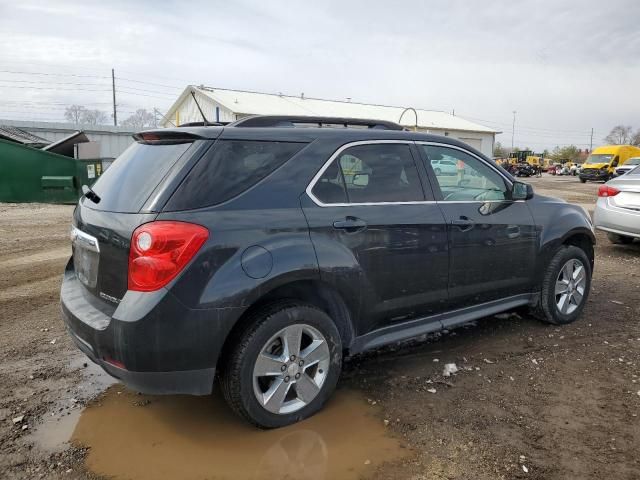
134 175
228 169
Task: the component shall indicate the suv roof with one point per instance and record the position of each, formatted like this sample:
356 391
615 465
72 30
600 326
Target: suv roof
286 128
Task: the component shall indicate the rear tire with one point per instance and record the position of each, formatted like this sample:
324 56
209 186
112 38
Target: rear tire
287 392
619 239
565 286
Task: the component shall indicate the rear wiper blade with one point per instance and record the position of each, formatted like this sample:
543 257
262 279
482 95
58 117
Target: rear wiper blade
90 194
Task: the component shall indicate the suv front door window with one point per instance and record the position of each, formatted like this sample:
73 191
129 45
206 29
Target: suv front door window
492 239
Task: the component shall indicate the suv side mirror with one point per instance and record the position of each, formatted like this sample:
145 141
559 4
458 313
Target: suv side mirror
521 191
361 179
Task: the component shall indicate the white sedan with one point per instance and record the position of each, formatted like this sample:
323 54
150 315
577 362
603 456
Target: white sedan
618 208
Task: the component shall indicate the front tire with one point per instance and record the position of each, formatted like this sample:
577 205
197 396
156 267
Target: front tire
583 180
565 286
619 239
284 366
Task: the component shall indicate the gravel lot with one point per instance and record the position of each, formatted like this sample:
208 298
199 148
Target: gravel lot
531 400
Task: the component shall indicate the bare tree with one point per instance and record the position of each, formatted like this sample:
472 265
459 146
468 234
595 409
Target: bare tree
499 150
140 119
74 113
619 135
94 117
635 139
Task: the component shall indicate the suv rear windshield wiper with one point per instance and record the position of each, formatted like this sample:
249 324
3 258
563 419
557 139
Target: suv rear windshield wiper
90 194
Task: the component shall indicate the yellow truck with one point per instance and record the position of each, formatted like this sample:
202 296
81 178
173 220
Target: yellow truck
602 162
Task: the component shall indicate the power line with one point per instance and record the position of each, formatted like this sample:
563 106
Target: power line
525 126
143 95
54 83
54 88
148 91
174 87
53 74
31 102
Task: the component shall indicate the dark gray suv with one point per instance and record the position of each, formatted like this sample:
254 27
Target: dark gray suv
263 251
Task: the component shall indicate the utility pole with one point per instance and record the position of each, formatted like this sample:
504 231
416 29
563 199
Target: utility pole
591 141
113 88
513 129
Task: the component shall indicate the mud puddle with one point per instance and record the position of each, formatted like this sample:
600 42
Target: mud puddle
58 424
146 437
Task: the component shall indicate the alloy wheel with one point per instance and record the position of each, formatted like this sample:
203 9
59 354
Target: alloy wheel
570 286
291 368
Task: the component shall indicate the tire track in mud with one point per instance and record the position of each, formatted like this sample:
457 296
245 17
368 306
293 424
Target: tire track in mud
36 258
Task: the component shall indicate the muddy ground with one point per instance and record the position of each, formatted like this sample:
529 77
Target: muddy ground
531 400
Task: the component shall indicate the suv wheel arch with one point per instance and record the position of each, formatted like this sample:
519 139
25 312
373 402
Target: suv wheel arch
313 292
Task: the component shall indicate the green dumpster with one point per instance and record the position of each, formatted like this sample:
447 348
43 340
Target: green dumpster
31 175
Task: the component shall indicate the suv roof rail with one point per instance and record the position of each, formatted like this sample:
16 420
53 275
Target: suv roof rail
202 124
288 121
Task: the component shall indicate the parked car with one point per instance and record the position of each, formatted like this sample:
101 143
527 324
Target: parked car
444 167
628 166
618 208
262 255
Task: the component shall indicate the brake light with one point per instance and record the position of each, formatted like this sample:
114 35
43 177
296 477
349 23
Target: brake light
160 250
607 191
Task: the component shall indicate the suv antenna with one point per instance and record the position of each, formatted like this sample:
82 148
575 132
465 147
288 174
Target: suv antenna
206 122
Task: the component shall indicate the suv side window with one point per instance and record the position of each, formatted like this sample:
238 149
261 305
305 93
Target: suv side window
474 180
372 173
229 168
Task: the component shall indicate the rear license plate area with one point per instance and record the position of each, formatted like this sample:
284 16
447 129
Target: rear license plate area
86 257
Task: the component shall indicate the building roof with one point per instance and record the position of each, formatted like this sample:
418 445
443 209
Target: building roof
65 146
68 127
18 135
255 103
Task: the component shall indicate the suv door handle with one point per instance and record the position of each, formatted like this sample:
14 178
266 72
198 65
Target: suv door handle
463 223
350 224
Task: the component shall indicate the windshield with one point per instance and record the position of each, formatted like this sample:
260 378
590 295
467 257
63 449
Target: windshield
635 171
599 158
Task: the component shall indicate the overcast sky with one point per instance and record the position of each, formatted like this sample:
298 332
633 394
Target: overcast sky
564 66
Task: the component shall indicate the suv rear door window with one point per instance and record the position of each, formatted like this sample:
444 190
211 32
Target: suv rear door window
129 181
228 169
372 173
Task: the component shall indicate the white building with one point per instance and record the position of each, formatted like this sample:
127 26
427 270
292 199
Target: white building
111 140
222 105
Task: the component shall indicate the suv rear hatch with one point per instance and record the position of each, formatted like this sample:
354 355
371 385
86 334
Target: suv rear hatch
127 195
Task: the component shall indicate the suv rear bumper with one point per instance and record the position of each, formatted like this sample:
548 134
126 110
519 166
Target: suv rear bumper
192 382
151 341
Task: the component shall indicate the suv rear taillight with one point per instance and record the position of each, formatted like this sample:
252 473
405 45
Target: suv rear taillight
607 191
160 250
